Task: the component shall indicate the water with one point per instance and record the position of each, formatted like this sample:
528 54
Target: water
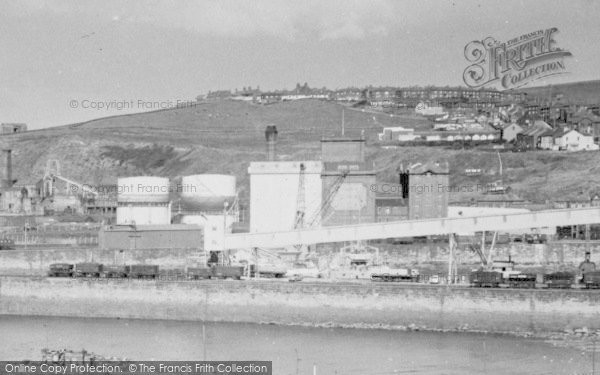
293 350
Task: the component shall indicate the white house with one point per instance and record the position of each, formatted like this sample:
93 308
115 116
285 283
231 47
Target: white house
425 110
575 141
433 138
398 133
510 132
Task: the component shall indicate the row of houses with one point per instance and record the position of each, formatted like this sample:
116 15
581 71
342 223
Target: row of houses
540 135
400 134
447 96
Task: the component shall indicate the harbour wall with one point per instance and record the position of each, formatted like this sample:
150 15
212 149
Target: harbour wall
550 256
363 305
37 261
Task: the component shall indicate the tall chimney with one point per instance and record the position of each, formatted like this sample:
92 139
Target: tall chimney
271 136
6 177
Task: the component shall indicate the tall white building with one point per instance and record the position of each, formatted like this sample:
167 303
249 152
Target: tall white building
275 194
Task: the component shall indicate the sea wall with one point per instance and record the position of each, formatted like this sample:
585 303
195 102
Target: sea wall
551 255
303 303
568 253
37 262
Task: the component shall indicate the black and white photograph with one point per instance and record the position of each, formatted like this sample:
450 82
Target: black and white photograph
312 187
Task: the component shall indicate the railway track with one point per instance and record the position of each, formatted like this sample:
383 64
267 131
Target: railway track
353 284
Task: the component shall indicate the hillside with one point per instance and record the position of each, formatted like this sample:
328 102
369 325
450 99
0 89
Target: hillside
212 137
585 91
224 136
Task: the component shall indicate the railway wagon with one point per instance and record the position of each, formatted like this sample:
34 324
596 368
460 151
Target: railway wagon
224 272
483 279
88 269
143 271
591 279
522 280
60 270
395 274
559 280
115 271
7 244
197 273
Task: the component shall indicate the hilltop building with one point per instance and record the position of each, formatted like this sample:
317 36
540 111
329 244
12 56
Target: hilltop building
12 128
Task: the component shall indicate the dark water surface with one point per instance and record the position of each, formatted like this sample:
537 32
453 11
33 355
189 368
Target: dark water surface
293 350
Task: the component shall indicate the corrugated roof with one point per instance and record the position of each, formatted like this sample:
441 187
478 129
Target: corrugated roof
433 167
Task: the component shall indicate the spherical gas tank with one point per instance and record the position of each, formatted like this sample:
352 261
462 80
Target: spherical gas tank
206 192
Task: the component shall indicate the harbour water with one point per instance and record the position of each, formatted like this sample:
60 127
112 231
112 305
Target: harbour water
293 350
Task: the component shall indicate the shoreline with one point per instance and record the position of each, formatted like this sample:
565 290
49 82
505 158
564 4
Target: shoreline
580 339
565 315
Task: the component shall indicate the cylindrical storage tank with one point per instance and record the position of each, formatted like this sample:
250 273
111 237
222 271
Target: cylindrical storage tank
144 214
206 192
143 189
143 200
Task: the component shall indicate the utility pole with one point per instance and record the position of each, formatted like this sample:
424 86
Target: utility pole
256 262
203 341
343 124
451 246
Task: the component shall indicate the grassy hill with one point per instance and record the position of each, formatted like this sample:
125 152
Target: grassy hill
211 137
224 136
585 92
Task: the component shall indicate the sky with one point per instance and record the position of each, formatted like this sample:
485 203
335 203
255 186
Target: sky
63 62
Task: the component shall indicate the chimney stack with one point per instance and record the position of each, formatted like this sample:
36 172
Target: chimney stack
271 136
6 177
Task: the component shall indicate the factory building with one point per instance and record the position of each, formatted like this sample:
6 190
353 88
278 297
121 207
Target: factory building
104 203
278 190
346 182
390 206
59 195
143 200
15 199
427 188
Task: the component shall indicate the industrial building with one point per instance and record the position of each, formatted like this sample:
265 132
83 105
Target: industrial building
390 206
202 203
280 190
306 194
427 188
15 199
346 182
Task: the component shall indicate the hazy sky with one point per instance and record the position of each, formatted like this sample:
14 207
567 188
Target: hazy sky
55 52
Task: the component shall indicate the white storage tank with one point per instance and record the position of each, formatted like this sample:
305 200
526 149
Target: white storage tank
143 200
206 192
143 189
143 214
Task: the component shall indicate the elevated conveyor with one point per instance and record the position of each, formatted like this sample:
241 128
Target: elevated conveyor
409 228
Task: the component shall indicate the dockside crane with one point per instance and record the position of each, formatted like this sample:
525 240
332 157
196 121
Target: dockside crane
301 199
323 213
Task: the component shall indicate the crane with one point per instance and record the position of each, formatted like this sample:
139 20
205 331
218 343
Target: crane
301 199
324 209
316 217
